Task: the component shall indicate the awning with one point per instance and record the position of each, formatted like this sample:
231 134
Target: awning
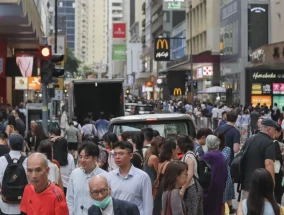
20 24
211 90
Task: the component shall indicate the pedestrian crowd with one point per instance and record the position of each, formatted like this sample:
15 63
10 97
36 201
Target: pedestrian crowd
139 172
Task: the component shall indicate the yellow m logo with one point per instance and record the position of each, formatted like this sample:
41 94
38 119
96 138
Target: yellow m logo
161 43
177 92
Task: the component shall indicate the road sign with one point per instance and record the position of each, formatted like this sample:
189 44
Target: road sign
61 47
60 84
99 68
58 95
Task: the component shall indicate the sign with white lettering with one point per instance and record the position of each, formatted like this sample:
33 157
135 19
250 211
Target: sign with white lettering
266 89
162 49
174 5
58 95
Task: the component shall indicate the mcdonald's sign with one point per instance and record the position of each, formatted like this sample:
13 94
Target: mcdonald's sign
162 49
177 92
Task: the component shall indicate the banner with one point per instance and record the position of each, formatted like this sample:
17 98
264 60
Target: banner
119 52
162 49
119 30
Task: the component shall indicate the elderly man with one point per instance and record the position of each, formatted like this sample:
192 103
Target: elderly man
42 196
100 192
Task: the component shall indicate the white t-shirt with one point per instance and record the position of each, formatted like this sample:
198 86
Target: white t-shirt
53 175
67 170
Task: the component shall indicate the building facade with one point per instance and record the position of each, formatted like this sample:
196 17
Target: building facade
91 32
244 27
66 21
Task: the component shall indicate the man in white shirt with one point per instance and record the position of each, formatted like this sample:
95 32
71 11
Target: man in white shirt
215 117
78 198
16 143
104 204
129 183
148 136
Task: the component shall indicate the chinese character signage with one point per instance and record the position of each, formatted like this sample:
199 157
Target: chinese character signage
162 49
174 5
119 30
119 52
278 88
266 89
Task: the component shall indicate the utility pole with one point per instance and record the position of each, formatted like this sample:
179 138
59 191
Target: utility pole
191 59
55 26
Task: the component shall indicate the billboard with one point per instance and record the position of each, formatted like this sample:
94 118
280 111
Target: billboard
21 83
278 88
21 66
230 30
34 83
119 52
162 49
119 30
261 99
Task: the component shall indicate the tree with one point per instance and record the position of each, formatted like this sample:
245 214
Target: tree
72 63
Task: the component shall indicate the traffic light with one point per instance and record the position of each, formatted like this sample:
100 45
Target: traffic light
65 90
127 92
48 70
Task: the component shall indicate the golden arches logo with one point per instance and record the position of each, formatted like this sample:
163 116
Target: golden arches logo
162 43
177 92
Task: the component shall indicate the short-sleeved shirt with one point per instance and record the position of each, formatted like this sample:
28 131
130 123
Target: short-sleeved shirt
49 202
198 150
232 136
261 148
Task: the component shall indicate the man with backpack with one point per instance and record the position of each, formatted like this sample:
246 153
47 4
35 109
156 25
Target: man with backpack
231 134
13 176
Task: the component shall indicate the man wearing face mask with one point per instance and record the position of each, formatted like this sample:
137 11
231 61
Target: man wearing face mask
104 204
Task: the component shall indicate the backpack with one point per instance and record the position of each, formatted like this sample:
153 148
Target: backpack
204 173
14 180
237 166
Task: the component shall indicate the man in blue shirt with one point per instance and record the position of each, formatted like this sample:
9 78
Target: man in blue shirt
129 183
102 126
201 135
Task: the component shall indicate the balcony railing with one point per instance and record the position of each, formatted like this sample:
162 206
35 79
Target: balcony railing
157 24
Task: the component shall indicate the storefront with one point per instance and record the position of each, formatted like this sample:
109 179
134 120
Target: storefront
265 86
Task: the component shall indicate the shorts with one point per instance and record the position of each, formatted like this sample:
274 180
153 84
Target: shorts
73 146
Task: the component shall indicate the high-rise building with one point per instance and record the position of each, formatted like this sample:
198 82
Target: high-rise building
91 31
66 21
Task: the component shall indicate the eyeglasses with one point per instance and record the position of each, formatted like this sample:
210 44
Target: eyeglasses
98 192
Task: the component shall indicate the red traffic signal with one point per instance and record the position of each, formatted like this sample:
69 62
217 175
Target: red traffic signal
45 51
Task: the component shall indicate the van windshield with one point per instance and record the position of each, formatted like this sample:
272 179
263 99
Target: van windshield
165 128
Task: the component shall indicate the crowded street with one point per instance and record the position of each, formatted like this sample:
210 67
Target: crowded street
141 107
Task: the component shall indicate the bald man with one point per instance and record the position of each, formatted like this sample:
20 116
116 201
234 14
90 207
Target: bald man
41 196
104 204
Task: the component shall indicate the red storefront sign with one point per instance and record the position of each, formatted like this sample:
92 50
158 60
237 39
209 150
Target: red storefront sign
119 30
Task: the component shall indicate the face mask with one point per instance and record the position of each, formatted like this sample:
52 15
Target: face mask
104 203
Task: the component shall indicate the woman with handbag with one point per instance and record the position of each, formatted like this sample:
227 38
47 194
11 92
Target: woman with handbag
168 153
191 191
175 176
